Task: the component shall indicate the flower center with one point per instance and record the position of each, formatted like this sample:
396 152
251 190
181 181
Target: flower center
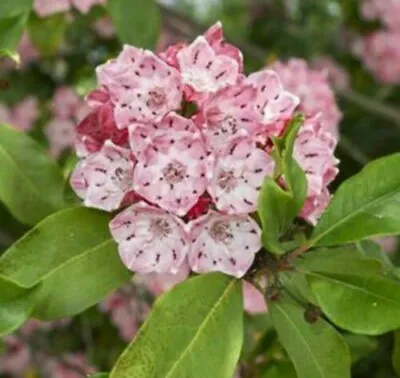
220 232
121 178
227 180
229 125
174 172
157 98
160 228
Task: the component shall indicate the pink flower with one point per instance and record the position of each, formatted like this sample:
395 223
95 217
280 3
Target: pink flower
98 127
84 6
150 239
158 283
215 37
5 115
380 53
336 74
388 244
274 105
314 91
204 71
142 87
227 114
16 358
71 366
45 8
254 301
225 243
66 104
387 11
172 128
104 27
104 178
173 174
238 174
60 134
314 151
26 113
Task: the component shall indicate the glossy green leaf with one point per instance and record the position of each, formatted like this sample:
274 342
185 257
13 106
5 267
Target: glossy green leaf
364 206
360 346
396 353
317 350
356 293
47 33
278 207
138 23
31 184
16 304
195 330
373 250
72 254
13 18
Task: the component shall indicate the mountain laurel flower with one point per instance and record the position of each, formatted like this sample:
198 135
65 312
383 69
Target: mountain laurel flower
181 143
238 175
224 243
314 90
142 87
150 239
314 151
274 105
104 178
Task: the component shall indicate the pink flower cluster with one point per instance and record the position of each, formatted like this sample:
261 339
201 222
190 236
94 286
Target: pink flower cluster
314 90
338 77
67 110
380 50
45 8
19 356
22 116
184 139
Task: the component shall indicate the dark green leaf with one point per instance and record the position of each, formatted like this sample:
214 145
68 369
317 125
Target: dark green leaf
354 292
364 206
283 369
396 353
47 33
31 184
100 375
16 304
195 330
72 253
317 350
13 18
360 346
138 23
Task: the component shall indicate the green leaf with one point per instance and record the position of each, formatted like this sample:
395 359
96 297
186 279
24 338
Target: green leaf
195 330
374 251
317 350
396 353
72 254
366 205
47 33
16 304
138 23
13 18
283 369
31 184
354 292
100 375
360 346
278 207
